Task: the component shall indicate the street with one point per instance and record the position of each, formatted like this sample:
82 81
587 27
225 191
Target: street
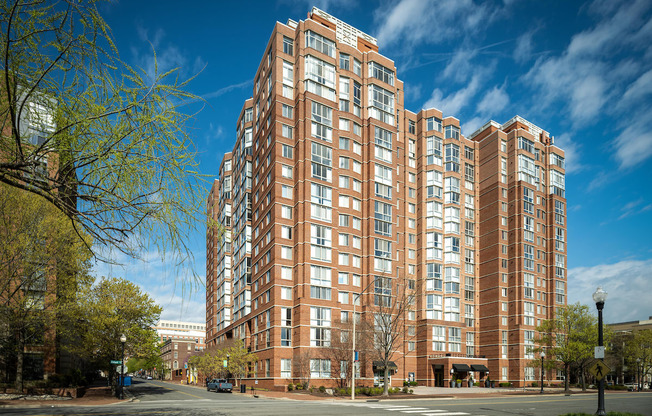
158 398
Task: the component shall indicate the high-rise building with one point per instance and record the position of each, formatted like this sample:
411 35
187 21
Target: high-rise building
335 193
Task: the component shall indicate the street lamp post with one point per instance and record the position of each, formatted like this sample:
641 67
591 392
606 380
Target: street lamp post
599 297
543 355
638 374
355 300
123 340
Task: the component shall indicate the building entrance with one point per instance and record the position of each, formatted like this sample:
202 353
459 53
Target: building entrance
438 371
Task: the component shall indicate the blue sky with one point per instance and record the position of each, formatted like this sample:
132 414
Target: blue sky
580 70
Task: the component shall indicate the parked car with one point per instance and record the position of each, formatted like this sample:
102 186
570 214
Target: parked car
149 377
219 385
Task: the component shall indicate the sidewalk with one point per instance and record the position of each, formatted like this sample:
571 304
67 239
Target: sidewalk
94 396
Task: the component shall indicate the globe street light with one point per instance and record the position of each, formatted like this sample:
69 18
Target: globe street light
123 340
599 297
543 355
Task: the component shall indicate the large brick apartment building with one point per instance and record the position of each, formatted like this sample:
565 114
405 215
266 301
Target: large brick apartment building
333 187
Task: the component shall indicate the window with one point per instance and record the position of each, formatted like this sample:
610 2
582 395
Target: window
433 150
288 46
560 291
320 77
322 122
286 367
433 306
321 242
528 254
528 313
433 123
438 338
383 218
433 276
345 61
321 162
343 278
433 214
452 280
357 67
528 340
452 157
320 322
287 151
433 246
320 368
381 73
454 339
382 104
286 273
345 144
320 43
320 280
557 160
451 309
452 132
286 191
288 74
382 291
286 293
286 212
286 131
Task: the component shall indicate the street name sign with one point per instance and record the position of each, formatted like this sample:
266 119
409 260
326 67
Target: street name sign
116 362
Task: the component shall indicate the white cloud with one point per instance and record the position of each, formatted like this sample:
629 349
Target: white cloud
494 101
634 144
523 50
571 152
454 102
459 67
414 21
626 282
585 76
472 125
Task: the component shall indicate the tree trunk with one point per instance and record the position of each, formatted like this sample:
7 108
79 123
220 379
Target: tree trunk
20 359
386 380
566 385
583 375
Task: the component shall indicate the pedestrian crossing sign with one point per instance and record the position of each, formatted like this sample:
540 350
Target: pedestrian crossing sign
599 369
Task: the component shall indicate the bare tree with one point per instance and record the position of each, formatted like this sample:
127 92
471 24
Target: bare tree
341 346
301 364
392 304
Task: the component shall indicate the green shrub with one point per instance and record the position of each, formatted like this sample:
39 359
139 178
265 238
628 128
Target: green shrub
405 383
504 385
290 387
311 389
411 391
405 390
413 383
322 389
535 384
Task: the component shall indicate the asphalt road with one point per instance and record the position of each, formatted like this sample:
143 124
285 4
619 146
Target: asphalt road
157 398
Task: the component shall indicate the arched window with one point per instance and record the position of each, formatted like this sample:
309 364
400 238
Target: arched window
176 365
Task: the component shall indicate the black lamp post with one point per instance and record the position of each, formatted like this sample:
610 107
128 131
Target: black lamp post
543 355
638 374
599 297
123 340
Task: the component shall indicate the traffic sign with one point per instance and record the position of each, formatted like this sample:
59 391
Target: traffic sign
116 362
225 363
599 369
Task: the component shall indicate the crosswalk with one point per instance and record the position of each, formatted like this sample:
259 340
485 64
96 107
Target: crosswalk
420 411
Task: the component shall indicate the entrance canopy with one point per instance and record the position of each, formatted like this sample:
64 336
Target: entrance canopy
461 367
479 367
379 365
